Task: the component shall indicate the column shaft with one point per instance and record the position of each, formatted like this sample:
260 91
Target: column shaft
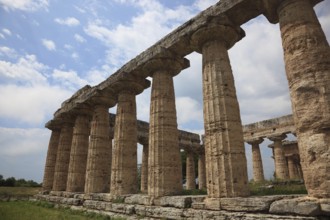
144 168
281 166
164 174
190 171
99 153
293 171
78 155
63 158
224 146
201 172
48 179
124 155
258 171
307 64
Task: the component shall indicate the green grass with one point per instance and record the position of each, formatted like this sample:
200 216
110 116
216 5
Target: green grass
277 188
19 191
24 210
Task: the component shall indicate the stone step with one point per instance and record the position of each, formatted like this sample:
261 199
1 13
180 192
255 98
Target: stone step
198 205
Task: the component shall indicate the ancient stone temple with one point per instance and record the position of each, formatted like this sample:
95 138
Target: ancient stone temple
92 155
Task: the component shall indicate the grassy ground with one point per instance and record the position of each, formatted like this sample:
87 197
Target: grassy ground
277 188
24 210
19 191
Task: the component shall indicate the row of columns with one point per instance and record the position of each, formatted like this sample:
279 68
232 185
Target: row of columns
306 53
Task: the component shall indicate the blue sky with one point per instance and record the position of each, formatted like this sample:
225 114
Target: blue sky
51 48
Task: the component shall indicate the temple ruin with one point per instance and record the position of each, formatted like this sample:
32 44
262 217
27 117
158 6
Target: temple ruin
92 155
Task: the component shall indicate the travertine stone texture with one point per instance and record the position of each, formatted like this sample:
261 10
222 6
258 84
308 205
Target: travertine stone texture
124 155
78 155
201 172
63 157
98 169
258 170
281 166
164 174
224 146
190 171
144 168
47 183
307 64
293 168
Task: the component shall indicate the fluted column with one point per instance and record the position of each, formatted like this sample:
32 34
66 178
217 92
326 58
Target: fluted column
63 157
258 170
224 146
79 151
98 168
281 166
48 179
307 64
201 171
293 171
124 178
164 174
190 170
144 167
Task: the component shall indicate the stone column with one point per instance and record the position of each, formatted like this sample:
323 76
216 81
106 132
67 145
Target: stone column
201 171
226 165
47 183
164 174
307 64
190 170
144 167
293 171
79 151
124 178
63 157
258 171
100 147
281 166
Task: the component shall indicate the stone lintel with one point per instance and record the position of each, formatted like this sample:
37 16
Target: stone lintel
270 7
271 127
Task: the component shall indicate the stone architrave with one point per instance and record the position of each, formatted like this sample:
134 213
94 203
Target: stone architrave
226 165
79 152
190 170
307 64
63 156
258 171
144 167
201 171
164 174
98 168
124 176
48 179
281 165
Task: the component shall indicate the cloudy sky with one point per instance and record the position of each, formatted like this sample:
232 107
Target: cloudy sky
51 48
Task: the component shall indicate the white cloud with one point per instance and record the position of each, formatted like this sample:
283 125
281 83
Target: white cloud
70 21
188 110
75 56
79 38
2 36
6 31
9 52
68 47
24 5
49 44
68 79
203 4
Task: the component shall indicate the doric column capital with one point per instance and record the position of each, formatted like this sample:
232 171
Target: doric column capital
255 141
125 83
219 28
277 137
105 97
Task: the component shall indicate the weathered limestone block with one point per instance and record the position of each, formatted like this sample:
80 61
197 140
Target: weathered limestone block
63 157
98 168
307 64
164 174
174 201
224 146
139 199
79 151
190 170
48 179
294 206
258 171
281 166
144 168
